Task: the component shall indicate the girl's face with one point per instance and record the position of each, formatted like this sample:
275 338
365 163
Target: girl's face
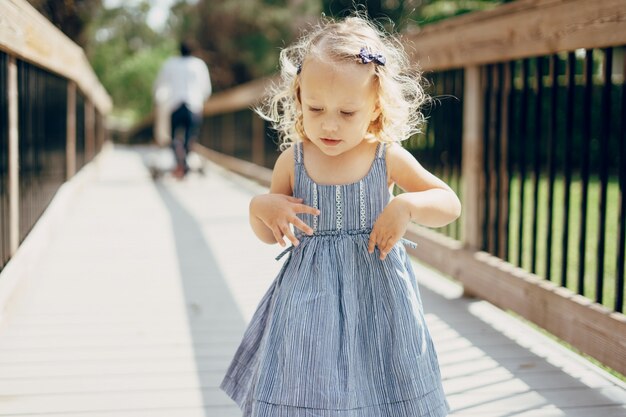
338 103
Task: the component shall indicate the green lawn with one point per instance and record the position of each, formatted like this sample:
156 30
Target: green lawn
592 228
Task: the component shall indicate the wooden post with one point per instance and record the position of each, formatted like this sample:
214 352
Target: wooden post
14 160
70 150
228 134
99 131
473 182
90 124
258 140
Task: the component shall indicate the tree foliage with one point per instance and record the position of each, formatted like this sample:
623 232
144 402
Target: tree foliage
239 39
399 14
126 54
72 17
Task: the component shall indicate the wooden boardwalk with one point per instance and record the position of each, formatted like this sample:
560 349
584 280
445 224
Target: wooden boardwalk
144 293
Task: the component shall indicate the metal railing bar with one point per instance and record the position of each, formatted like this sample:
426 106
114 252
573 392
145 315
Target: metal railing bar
605 133
458 89
522 140
487 157
621 245
497 150
584 169
552 140
510 141
567 165
537 142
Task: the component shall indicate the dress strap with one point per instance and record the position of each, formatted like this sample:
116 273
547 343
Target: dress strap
297 153
381 150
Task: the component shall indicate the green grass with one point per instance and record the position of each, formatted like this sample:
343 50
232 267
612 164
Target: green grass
592 229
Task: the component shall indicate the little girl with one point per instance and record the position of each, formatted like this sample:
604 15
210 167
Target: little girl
341 330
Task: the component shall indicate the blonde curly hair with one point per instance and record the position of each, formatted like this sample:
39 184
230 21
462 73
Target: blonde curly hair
399 97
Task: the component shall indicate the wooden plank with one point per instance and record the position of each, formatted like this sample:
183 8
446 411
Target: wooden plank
247 169
27 35
549 411
238 98
516 402
98 383
111 401
520 29
203 411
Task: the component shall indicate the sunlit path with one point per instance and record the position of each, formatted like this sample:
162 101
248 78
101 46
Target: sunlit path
146 288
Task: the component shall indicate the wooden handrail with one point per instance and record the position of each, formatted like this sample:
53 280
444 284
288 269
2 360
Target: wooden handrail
517 30
27 35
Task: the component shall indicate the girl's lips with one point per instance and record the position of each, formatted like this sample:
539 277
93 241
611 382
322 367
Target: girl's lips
330 142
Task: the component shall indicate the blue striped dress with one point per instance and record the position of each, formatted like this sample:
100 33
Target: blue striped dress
339 333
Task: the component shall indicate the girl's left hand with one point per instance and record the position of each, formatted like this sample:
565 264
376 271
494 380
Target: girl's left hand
389 227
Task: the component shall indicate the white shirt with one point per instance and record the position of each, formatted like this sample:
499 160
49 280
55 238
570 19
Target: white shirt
183 79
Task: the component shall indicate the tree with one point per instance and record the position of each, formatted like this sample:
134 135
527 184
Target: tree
241 39
72 17
398 14
126 55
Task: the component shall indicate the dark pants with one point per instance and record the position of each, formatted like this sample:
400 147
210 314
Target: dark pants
185 127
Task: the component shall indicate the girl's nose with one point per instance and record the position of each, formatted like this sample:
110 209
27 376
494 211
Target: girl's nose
330 125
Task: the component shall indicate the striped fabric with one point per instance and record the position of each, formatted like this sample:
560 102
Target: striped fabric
339 333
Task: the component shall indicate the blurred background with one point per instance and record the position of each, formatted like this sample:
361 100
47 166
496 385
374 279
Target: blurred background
127 41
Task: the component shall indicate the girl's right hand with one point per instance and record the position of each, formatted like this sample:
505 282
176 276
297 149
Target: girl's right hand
278 213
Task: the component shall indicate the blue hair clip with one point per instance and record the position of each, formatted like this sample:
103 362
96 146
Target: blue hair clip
367 57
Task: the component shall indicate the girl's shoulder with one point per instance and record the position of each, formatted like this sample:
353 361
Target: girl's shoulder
395 151
286 158
284 168
398 159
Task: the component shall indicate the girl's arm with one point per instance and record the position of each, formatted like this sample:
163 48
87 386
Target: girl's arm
271 215
427 200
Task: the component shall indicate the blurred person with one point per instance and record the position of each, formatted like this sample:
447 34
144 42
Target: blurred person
180 90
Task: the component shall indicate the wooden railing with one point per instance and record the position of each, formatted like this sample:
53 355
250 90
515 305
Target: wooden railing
52 110
481 52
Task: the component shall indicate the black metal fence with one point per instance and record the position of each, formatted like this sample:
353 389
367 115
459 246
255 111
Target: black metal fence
554 169
42 140
5 250
233 133
439 145
80 130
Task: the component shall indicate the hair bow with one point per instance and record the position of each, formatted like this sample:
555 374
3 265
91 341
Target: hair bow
367 57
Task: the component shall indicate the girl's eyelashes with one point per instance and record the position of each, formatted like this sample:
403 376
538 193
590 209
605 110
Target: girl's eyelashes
343 113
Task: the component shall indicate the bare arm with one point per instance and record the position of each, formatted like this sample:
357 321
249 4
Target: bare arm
271 215
427 200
